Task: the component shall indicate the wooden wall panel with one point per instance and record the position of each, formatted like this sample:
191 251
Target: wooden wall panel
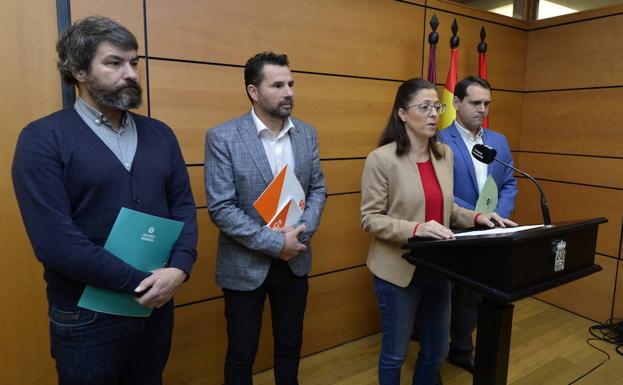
343 175
197 183
595 59
505 115
584 122
605 172
340 241
349 114
30 90
356 37
505 54
128 13
618 295
568 201
590 296
199 344
202 284
340 308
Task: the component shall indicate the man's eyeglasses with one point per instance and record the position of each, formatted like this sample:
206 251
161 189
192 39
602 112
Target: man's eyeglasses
425 109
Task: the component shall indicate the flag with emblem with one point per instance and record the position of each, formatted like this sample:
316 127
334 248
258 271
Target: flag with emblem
447 93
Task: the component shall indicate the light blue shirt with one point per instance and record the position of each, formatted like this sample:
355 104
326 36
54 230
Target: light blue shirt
122 142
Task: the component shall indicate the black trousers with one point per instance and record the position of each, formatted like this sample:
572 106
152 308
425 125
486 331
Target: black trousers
287 294
463 321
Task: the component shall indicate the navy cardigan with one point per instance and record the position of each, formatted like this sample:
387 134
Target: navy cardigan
70 188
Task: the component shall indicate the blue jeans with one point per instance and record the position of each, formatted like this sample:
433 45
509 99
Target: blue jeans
92 348
430 296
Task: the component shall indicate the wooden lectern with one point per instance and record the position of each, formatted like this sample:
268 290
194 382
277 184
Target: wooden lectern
505 268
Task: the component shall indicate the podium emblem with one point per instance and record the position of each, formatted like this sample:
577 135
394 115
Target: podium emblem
559 249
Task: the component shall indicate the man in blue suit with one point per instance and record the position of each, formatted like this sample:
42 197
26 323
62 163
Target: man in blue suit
253 261
472 97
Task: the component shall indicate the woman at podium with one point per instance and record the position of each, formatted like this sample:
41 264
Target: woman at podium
406 191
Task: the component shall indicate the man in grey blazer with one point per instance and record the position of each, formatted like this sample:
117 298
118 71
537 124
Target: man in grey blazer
242 157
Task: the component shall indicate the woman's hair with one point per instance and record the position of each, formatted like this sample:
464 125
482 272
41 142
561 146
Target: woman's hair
395 130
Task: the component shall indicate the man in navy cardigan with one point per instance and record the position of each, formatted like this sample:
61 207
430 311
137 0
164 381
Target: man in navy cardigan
472 97
73 171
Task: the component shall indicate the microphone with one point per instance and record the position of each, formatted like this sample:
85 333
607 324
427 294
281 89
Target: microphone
486 154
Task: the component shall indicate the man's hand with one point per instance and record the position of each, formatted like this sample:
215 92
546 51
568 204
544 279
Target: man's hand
433 229
160 287
493 219
292 246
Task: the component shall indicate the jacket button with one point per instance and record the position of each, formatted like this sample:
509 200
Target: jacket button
136 200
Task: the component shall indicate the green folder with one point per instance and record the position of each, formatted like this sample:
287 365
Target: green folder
488 199
143 241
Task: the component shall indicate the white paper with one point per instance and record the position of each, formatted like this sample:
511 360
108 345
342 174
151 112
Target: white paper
497 230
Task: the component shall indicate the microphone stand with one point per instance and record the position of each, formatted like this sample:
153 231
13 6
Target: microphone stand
544 206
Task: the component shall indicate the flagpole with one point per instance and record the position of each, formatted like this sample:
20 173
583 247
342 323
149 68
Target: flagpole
433 38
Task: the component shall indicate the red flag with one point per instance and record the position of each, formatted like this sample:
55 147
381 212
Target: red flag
482 72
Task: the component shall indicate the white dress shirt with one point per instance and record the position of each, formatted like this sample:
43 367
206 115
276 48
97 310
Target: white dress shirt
278 148
470 140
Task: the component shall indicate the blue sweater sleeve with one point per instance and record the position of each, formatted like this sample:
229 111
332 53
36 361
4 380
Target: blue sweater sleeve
46 210
182 208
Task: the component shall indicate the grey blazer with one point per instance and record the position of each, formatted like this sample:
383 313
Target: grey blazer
236 173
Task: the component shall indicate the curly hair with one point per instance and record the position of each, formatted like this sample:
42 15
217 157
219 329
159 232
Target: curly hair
77 45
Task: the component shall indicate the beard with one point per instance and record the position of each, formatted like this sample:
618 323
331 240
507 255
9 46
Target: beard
121 98
281 111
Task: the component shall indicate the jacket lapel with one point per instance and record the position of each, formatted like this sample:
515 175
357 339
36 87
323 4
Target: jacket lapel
464 153
486 140
297 140
253 143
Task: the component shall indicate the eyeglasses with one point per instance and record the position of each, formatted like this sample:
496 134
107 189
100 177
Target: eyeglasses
426 109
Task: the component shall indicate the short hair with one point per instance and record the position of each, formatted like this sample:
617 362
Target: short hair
460 90
253 69
77 44
395 130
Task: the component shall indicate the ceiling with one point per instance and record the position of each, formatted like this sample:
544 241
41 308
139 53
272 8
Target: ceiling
580 5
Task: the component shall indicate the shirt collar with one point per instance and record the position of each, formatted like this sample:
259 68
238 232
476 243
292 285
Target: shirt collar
467 133
97 117
260 126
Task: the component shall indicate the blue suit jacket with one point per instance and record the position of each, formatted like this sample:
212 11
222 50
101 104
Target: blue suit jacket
465 184
236 173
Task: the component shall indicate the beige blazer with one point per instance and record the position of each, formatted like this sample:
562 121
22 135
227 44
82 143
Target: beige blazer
392 203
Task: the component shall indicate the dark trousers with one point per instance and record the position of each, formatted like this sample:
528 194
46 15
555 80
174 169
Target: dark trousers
463 321
93 348
287 294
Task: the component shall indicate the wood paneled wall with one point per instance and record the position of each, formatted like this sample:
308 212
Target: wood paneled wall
30 89
571 139
348 58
